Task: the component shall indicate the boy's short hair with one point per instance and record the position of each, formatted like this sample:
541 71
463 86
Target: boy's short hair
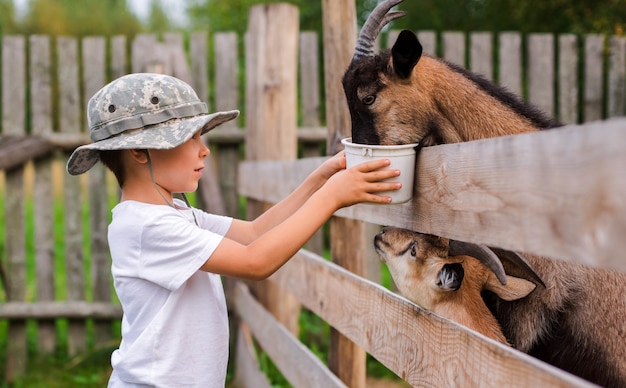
112 159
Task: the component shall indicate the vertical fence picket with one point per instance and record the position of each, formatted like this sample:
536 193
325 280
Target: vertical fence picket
118 56
428 39
568 79
616 104
227 98
510 61
43 194
481 57
593 91
93 59
14 123
454 47
541 71
70 122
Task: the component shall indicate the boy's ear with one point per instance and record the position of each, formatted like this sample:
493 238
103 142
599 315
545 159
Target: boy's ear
139 156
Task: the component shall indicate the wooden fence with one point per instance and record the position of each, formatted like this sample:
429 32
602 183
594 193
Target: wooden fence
578 217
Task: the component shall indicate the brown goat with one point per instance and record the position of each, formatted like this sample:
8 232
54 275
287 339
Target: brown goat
576 322
402 96
449 286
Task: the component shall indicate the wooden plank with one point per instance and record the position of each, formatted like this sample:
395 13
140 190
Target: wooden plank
174 54
510 61
41 113
200 64
70 122
617 77
310 108
227 98
531 193
594 69
280 344
118 56
541 71
568 79
14 123
428 39
144 53
271 114
420 347
454 47
15 151
94 59
247 373
345 358
52 310
481 54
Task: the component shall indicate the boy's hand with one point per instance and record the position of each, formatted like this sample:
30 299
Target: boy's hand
361 183
333 165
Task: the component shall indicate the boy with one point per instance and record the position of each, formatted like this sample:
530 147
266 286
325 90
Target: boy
167 257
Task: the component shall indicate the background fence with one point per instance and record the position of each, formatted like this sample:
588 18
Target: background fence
55 274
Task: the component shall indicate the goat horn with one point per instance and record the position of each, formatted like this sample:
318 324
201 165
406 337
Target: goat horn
520 262
480 252
375 22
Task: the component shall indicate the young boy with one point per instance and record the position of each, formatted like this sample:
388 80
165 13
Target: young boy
167 257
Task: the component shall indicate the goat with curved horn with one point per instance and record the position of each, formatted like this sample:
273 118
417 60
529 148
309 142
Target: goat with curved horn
375 22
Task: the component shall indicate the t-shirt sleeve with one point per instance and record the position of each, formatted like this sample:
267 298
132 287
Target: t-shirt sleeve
173 249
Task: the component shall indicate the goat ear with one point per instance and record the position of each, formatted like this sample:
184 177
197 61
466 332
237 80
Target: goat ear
517 260
406 52
480 252
515 288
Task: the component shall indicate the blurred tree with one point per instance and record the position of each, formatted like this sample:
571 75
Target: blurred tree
158 20
558 16
7 18
87 17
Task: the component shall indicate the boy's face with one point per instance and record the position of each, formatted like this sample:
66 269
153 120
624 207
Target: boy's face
178 170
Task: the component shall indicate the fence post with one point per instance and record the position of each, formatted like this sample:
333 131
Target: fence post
70 122
271 95
345 359
13 123
43 195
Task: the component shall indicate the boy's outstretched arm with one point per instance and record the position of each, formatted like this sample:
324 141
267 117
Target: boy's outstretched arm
265 254
247 231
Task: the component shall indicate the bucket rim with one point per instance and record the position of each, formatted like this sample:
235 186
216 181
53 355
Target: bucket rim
347 142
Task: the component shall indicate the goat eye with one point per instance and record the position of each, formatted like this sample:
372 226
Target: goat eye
369 100
413 250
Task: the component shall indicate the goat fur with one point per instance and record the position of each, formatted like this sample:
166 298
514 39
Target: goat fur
449 286
402 96
576 322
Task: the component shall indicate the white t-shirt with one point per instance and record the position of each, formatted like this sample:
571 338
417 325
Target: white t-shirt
175 324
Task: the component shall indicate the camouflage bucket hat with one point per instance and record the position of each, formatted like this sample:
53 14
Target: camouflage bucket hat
143 111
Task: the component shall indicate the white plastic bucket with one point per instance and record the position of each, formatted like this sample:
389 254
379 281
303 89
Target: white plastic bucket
402 157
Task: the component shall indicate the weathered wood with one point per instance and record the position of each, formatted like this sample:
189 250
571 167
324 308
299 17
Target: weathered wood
481 54
70 122
310 106
428 39
454 47
41 111
94 59
510 59
271 114
531 192
345 358
617 77
14 123
428 351
52 310
15 151
593 92
568 79
118 56
280 344
247 373
541 71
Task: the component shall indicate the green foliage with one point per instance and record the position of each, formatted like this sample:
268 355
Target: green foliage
7 19
558 16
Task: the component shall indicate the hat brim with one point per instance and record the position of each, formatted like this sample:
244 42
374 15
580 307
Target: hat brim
167 135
